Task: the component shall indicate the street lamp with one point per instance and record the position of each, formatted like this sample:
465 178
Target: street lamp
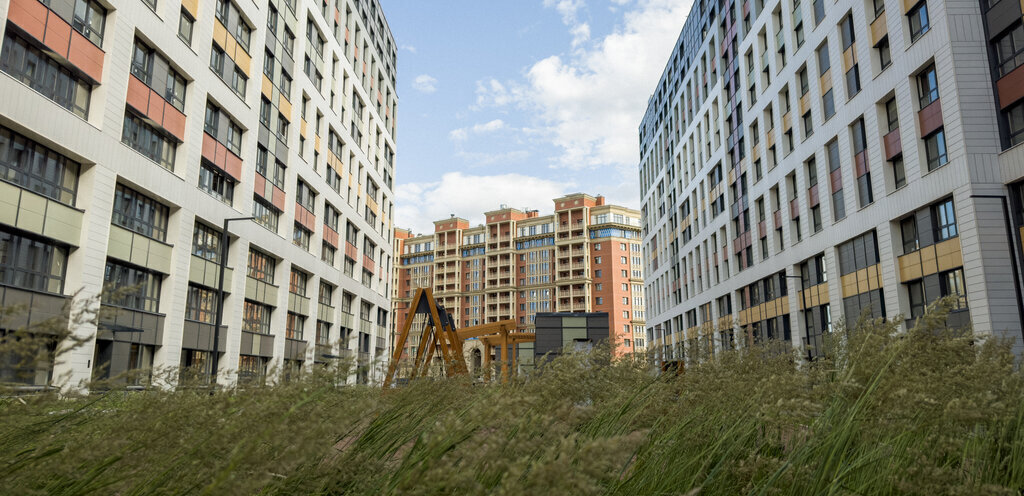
220 291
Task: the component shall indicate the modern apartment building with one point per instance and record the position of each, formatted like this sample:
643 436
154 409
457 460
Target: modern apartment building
806 161
585 257
131 131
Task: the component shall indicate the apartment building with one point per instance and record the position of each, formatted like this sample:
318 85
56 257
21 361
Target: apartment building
131 132
584 257
805 161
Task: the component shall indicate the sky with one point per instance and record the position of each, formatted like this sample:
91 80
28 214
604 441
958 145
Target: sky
518 102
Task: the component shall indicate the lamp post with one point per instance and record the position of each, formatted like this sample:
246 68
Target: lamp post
220 292
803 302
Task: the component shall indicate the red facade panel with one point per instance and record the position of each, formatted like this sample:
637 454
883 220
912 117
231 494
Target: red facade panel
330 236
29 15
836 179
930 118
174 121
278 198
85 55
305 217
58 34
1010 87
138 94
893 144
860 163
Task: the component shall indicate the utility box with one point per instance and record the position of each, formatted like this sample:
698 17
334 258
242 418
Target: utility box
564 332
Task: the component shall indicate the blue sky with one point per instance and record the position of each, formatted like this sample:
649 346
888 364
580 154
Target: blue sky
520 101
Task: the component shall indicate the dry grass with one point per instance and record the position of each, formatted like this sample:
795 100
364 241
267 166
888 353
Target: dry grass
924 412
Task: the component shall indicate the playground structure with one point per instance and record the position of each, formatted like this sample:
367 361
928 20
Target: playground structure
441 339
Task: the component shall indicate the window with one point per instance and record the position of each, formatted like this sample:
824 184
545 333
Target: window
819 11
272 19
918 17
265 113
217 60
285 84
908 230
206 242
266 215
944 218
34 68
261 266
30 263
268 64
300 237
201 304
37 168
1015 123
234 138
859 142
148 141
927 87
131 287
326 295
951 283
242 33
331 217
305 196
884 55
1009 50
238 82
899 174
915 291
294 326
891 114
150 3
216 183
828 104
88 19
256 317
288 41
935 149
222 11
327 253
282 128
297 282
823 59
139 213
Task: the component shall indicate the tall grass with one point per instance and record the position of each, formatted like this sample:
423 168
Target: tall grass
923 412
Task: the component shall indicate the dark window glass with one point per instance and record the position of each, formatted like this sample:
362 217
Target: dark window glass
927 86
918 21
1009 48
206 242
951 283
935 149
297 282
36 69
1015 123
294 326
266 215
892 115
37 168
216 183
915 291
201 304
88 20
261 266
185 25
148 141
139 213
32 264
131 287
908 229
256 317
945 220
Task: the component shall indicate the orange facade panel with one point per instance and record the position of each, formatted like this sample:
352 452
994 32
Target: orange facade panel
330 236
305 217
53 31
218 155
930 117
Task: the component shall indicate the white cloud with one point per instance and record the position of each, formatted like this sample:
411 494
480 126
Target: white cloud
461 134
468 196
409 48
591 102
487 127
425 83
570 9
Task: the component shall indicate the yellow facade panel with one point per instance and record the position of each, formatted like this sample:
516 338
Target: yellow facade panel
878 29
825 83
910 266
302 128
267 88
220 35
929 263
242 59
285 107
192 6
849 57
